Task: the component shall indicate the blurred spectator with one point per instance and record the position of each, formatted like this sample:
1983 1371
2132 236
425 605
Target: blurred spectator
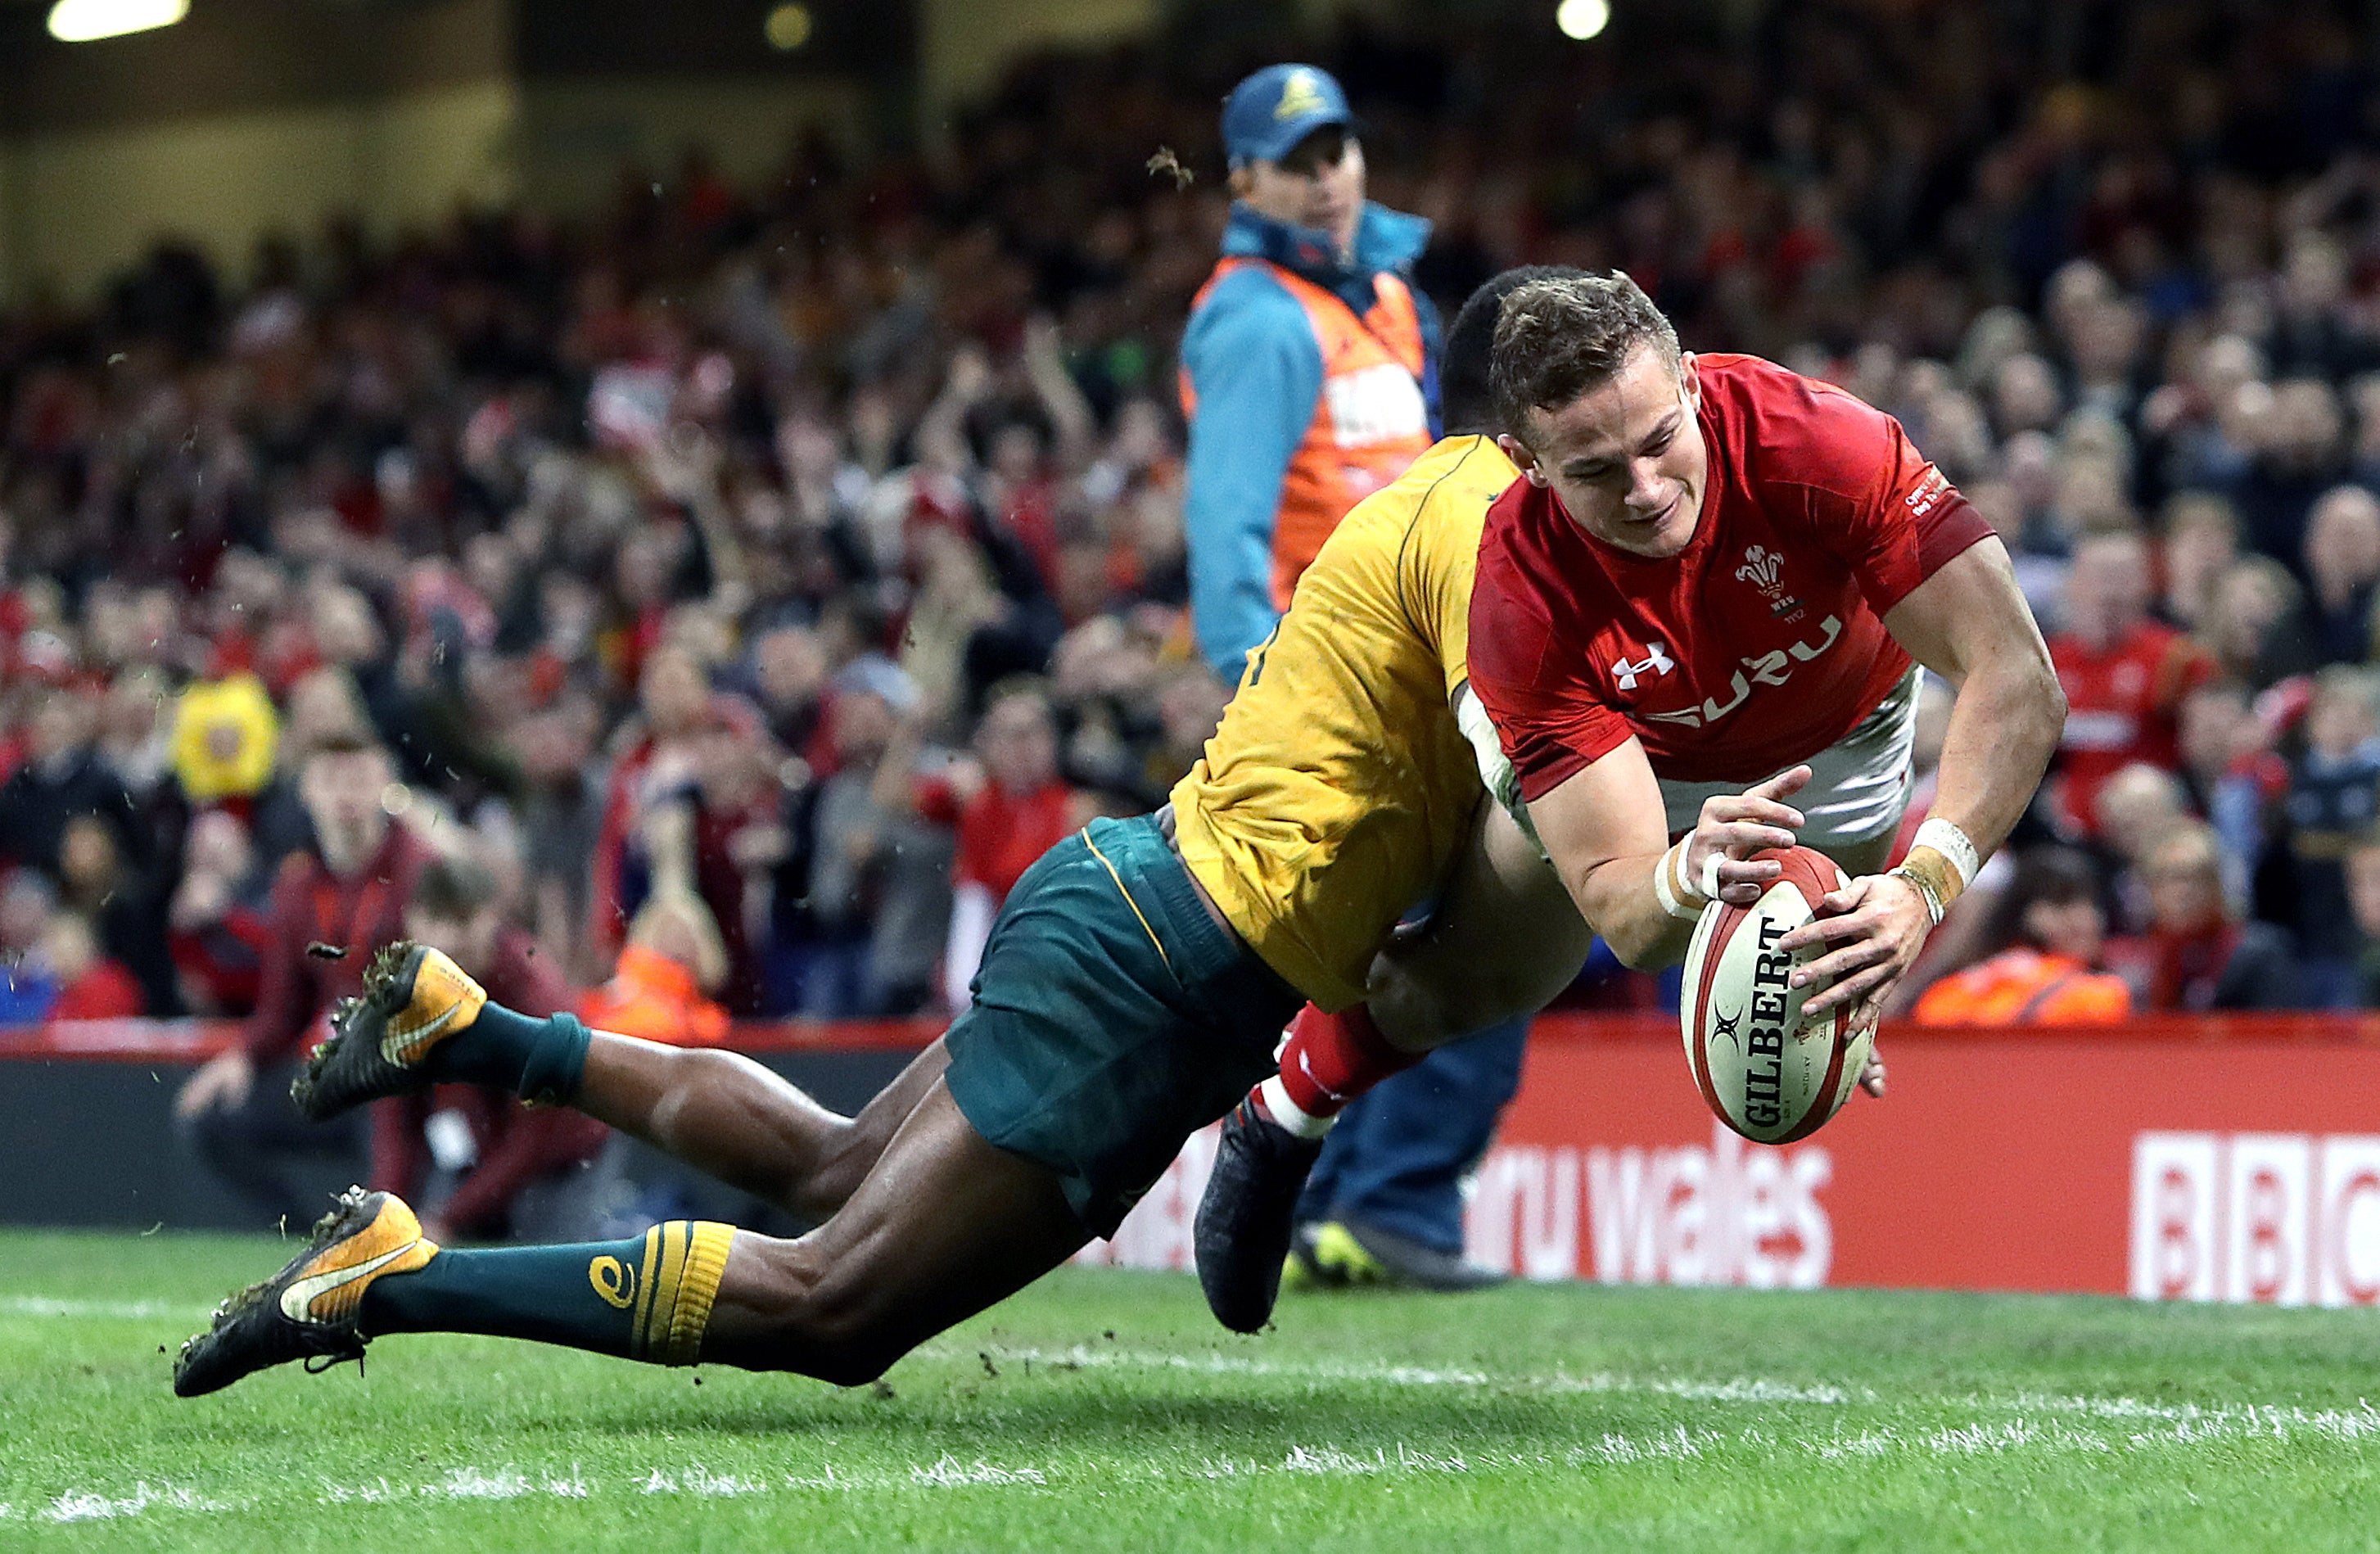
788 675
123 908
2363 895
349 894
1007 815
513 1169
2333 787
880 890
63 776
2045 939
2139 806
2342 562
1189 709
323 708
733 824
560 821
219 919
2255 626
2201 539
2303 453
89 984
28 902
659 755
2124 674
672 961
2234 777
2198 953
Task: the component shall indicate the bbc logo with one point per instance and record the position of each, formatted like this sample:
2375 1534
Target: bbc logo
2279 1218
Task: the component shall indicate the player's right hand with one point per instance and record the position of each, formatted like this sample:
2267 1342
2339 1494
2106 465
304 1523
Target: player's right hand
1732 829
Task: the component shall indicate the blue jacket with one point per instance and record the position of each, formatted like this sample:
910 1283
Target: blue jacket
1254 364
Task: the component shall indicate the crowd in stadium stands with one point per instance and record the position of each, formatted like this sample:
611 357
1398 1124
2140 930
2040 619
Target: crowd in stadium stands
755 580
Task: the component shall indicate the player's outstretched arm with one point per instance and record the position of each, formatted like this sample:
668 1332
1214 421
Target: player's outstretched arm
1606 833
1967 623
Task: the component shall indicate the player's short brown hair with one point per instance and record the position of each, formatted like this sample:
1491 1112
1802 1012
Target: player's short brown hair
1559 338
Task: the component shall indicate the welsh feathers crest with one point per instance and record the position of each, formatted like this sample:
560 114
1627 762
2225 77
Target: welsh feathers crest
1760 568
1763 569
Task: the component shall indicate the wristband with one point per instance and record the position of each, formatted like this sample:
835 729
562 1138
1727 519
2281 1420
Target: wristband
1935 906
1956 848
1667 895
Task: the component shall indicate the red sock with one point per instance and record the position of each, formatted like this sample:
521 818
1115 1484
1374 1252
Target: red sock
1332 1059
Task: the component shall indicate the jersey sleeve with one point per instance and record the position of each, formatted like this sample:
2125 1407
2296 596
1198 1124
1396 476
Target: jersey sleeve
1874 502
1548 717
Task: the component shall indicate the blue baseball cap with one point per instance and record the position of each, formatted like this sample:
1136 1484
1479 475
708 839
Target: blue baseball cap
1266 115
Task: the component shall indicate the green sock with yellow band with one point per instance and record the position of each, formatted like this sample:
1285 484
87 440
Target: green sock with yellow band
646 1298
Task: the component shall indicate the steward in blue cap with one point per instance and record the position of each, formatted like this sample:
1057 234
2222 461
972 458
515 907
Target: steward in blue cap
1309 368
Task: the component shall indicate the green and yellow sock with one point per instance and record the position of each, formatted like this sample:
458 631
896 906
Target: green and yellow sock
647 1298
539 1059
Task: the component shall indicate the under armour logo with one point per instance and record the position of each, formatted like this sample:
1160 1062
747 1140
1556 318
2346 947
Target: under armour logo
1656 663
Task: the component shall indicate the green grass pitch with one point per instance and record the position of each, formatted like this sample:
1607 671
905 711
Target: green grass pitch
1103 1410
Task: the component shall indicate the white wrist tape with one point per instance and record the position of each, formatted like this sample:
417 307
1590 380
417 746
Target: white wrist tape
1954 844
1664 892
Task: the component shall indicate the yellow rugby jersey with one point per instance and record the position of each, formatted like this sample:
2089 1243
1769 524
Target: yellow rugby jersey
1339 787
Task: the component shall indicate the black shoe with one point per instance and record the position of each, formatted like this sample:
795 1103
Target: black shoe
413 997
1417 1264
1242 1230
307 1311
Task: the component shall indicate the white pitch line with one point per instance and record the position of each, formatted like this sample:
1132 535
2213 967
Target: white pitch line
2357 1423
2206 1429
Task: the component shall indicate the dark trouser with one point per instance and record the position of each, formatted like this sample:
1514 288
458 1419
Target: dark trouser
1398 1155
276 1162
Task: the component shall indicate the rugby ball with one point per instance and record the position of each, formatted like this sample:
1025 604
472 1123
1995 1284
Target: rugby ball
1767 1072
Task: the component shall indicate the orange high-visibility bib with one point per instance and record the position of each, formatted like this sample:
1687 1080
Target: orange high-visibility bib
1370 420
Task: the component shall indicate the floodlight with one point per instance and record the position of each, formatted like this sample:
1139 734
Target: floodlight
83 21
1582 19
788 27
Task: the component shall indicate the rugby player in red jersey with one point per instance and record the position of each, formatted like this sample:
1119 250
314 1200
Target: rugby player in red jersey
1716 572
1713 575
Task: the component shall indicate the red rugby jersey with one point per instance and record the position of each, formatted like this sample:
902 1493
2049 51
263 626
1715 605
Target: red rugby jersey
1758 644
2123 706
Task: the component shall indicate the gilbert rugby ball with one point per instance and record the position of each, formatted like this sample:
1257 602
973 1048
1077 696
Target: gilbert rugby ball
1766 1074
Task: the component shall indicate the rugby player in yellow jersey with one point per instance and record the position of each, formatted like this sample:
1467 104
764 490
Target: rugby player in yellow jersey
1133 989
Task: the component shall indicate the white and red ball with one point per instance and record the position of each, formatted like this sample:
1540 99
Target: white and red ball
1767 1074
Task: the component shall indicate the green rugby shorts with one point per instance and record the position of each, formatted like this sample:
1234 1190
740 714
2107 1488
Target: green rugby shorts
1112 1018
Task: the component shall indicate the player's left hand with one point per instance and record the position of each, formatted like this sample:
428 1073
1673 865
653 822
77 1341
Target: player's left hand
1870 931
